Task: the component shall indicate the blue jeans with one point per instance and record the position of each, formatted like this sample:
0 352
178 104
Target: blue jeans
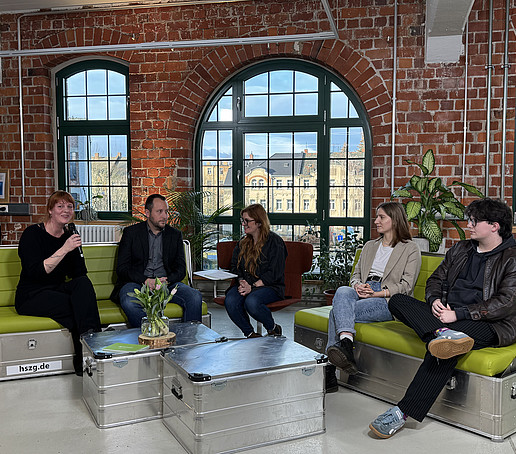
254 304
349 309
186 297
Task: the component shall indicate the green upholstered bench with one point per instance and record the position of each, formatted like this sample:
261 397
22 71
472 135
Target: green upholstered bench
27 341
481 395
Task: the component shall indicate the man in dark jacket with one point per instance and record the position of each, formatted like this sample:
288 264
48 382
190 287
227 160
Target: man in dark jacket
148 250
470 304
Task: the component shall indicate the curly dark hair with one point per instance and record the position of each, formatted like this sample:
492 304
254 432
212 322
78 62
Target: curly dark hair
492 210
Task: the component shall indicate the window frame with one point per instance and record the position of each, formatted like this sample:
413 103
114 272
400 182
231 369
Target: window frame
241 125
66 128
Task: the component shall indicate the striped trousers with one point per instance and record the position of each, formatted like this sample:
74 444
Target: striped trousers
434 373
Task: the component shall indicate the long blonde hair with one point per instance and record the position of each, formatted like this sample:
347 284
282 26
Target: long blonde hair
249 250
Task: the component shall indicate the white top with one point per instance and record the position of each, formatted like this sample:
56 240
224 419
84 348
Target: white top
380 260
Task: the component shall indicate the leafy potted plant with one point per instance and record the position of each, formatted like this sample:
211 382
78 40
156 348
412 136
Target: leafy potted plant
430 198
86 211
334 265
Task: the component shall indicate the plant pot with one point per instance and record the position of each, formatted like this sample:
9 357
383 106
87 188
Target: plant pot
155 326
88 214
423 245
329 294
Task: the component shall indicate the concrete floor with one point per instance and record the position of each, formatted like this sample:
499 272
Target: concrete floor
47 415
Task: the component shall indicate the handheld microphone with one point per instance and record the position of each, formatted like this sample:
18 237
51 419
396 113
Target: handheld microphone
444 289
73 230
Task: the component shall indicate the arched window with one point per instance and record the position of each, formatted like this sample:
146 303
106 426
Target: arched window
93 135
302 132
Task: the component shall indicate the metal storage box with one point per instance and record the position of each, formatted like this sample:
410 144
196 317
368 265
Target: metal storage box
478 403
37 353
123 388
243 393
481 404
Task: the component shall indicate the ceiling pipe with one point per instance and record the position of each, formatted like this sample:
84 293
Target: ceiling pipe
394 93
489 68
505 67
158 45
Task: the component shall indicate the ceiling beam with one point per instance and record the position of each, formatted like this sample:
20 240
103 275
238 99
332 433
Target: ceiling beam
445 22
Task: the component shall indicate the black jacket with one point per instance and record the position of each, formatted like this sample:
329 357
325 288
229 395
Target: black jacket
271 265
133 255
499 295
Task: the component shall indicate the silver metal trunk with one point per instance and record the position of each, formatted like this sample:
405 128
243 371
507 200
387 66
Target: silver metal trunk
240 394
122 388
34 354
481 404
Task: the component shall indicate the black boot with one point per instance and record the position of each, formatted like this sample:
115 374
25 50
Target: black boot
341 354
330 382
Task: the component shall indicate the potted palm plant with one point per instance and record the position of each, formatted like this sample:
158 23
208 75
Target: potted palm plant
429 199
186 214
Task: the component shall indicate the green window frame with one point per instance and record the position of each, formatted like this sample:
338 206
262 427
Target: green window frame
295 136
93 144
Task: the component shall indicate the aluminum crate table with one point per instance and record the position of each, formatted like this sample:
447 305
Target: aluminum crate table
240 394
125 388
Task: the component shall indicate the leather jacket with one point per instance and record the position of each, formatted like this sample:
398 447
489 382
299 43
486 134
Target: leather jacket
499 292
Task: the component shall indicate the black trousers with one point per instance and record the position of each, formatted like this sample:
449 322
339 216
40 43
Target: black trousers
73 304
434 373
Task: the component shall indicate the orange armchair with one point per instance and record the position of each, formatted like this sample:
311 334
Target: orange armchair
299 261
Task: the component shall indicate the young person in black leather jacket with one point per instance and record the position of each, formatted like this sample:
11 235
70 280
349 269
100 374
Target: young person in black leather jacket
470 304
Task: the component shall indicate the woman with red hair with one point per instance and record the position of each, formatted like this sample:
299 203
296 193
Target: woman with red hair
259 262
53 281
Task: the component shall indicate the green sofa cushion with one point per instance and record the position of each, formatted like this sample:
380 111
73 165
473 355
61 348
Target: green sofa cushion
396 336
12 322
100 261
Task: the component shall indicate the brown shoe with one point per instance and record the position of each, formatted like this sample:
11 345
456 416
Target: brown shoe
276 331
253 335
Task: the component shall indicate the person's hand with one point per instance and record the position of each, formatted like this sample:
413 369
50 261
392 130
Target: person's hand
364 290
244 288
259 283
437 308
444 313
163 280
151 283
448 315
73 242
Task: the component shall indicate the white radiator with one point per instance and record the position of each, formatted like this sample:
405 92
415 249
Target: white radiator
93 233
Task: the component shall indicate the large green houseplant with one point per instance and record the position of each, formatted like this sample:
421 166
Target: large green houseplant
428 198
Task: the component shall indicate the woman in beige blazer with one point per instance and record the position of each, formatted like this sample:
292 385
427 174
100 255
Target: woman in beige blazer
387 265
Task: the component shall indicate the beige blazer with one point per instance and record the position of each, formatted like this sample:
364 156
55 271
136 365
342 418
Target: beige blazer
401 271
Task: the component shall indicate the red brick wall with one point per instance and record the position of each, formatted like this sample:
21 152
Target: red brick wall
169 88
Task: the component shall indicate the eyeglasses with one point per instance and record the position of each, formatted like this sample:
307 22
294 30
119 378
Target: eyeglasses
246 221
474 221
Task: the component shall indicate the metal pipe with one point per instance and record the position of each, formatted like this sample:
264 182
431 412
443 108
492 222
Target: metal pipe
489 68
505 67
22 125
128 5
170 44
465 115
327 9
394 92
